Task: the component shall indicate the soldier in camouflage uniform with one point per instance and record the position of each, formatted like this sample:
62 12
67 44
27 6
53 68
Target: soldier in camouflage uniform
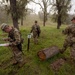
36 32
70 39
14 39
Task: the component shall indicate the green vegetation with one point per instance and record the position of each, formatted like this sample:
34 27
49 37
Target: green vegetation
34 66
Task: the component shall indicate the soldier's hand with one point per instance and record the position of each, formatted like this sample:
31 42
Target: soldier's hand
5 39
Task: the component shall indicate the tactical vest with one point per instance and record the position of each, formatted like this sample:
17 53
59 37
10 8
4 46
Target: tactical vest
11 35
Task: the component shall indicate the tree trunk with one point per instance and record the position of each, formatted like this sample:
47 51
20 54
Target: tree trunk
48 52
15 23
14 13
21 21
59 17
45 12
44 20
59 22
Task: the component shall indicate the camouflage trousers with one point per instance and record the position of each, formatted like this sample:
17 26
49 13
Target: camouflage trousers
73 51
67 43
18 55
70 44
35 37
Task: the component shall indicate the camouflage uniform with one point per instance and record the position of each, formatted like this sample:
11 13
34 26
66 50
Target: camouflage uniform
14 38
36 32
70 39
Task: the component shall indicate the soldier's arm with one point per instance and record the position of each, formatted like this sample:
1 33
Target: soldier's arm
32 29
73 31
73 39
17 37
5 39
39 28
66 31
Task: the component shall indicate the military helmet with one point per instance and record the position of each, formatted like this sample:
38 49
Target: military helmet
3 26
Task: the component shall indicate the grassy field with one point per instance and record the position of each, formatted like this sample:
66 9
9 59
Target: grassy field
34 66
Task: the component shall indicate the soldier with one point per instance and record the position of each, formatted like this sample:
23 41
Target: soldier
15 42
36 32
70 39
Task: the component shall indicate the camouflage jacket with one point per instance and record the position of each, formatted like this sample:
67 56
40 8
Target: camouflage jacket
70 32
14 37
35 28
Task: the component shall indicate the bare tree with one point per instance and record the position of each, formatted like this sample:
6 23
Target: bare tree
44 4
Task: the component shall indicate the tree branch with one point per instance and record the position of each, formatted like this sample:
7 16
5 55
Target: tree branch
49 3
38 4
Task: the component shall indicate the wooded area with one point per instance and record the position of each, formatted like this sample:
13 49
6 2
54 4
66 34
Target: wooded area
36 43
18 10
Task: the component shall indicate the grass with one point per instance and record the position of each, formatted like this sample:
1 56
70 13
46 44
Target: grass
49 36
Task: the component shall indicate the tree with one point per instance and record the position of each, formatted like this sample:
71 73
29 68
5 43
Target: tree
44 4
14 13
16 9
21 7
3 15
40 13
61 7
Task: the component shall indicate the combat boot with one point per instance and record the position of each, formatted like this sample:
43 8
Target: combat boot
14 62
21 64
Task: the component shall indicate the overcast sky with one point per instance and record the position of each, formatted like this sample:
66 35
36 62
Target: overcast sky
36 7
73 7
